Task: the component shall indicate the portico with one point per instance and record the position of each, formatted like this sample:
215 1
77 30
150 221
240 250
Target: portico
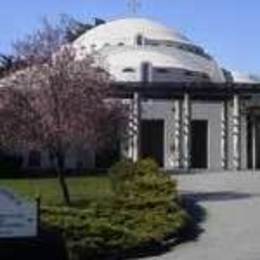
222 109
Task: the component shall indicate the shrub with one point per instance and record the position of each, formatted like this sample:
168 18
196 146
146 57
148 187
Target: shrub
150 199
90 234
143 213
120 173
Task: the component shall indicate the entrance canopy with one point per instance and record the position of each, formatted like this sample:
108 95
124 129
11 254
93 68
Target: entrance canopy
230 129
197 90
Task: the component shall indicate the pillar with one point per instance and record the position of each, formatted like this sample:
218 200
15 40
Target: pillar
236 133
129 141
224 135
177 134
254 143
134 128
186 131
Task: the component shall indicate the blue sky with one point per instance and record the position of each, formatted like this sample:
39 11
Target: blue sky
227 29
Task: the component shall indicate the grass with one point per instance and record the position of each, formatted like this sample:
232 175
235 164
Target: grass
86 189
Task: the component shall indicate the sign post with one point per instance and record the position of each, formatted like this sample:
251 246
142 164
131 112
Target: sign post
18 218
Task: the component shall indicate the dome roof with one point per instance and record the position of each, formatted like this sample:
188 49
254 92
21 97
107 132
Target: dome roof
126 30
174 61
126 44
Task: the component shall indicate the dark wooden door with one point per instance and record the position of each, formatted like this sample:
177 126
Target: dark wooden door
257 143
199 144
152 140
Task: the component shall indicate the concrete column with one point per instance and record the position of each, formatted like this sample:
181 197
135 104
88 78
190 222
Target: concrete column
129 148
186 131
254 143
136 117
236 133
177 134
224 135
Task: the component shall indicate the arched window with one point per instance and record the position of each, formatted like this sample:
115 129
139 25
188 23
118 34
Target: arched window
168 44
93 46
128 70
154 44
162 70
139 40
189 73
205 76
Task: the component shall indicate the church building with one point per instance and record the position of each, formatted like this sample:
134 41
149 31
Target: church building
187 111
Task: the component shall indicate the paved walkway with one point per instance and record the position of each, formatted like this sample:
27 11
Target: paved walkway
232 227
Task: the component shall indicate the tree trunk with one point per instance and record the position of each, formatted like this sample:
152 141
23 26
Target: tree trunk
62 180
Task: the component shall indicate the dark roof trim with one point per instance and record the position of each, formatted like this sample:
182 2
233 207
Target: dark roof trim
200 90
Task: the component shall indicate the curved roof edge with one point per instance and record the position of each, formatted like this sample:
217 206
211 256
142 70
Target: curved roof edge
240 77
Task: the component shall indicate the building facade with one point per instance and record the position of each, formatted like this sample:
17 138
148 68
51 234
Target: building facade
187 112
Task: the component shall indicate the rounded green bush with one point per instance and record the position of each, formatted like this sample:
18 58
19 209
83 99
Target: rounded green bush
143 212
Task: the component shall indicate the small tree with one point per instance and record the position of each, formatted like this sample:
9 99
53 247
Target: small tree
52 100
73 28
40 45
57 104
35 48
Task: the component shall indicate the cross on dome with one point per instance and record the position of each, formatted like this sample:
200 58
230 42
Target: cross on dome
134 6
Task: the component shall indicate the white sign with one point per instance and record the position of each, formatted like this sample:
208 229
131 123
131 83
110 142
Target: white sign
18 218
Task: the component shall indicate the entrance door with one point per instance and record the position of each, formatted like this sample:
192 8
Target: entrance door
253 142
257 144
199 144
152 136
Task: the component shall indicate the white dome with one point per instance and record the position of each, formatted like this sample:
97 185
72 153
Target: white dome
117 46
174 62
125 31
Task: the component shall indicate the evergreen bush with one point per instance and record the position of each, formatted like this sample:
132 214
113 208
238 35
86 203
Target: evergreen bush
143 213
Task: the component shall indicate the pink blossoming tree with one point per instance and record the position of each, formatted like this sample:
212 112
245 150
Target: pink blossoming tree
55 102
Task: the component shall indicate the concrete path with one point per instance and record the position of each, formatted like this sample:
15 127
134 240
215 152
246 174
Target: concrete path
232 226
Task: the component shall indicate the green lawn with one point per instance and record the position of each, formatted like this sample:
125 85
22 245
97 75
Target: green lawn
81 188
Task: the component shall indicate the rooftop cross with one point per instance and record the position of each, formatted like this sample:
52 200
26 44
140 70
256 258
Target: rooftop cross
134 5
